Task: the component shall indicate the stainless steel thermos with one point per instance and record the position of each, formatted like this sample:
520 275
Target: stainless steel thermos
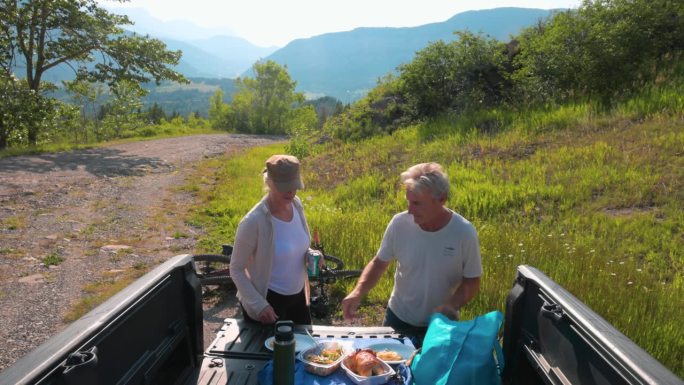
284 353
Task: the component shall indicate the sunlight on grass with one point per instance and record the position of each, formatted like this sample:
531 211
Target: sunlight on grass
592 202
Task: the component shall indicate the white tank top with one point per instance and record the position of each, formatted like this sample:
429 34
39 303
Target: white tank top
291 242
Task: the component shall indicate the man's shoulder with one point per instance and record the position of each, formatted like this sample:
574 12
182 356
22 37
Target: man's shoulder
458 222
402 215
401 218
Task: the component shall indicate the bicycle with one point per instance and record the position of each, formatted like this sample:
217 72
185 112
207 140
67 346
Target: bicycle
214 269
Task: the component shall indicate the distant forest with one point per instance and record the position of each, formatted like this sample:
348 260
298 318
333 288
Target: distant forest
185 99
173 98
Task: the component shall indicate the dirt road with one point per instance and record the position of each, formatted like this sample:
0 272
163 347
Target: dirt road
96 214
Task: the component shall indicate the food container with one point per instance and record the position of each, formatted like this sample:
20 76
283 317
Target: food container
405 351
319 368
370 380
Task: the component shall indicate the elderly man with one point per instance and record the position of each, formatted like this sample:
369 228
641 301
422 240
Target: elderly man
437 253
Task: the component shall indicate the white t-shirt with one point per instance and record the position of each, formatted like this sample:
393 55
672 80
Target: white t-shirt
290 241
430 265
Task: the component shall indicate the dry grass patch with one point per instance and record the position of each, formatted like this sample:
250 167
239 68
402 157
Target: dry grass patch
109 284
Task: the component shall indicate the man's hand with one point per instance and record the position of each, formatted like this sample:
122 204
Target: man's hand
350 304
369 278
463 294
448 310
267 316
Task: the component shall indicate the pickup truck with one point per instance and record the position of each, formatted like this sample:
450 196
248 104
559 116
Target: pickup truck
151 333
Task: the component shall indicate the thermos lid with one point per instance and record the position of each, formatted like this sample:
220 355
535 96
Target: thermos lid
284 331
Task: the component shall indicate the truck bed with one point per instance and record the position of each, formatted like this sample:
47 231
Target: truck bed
151 333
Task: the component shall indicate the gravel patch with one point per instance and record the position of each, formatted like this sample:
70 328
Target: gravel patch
93 211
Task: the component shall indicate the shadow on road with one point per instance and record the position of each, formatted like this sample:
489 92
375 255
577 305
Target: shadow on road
99 162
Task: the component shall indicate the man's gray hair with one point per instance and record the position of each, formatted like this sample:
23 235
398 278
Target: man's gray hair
427 177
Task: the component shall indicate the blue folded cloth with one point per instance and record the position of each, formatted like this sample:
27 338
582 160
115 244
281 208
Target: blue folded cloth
339 377
305 378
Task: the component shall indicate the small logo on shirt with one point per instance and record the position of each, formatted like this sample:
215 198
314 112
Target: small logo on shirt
449 251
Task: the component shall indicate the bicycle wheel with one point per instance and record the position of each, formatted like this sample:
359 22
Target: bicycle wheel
213 269
333 263
333 275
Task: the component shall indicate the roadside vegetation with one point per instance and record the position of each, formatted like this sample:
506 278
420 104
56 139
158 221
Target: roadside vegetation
595 205
564 148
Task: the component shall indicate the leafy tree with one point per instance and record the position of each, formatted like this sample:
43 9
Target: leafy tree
302 123
382 111
261 104
219 112
43 34
604 49
85 95
122 115
195 120
325 107
22 108
155 113
466 74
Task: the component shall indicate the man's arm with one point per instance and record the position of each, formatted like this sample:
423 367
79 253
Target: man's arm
466 291
369 278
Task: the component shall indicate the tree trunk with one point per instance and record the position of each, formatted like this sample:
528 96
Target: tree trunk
32 135
3 136
34 84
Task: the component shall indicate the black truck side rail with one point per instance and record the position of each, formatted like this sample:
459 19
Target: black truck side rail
551 337
148 333
151 333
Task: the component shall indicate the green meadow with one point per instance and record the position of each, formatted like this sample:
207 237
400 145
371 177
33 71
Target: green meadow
592 199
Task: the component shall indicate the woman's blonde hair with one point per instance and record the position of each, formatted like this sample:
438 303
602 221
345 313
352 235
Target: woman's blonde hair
427 177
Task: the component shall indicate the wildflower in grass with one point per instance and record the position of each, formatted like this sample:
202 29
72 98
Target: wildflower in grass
550 235
591 251
520 244
639 270
629 282
613 274
510 255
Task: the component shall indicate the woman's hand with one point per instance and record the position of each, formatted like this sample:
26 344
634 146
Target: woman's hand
268 316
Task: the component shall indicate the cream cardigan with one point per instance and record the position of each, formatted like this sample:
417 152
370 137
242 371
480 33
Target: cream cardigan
252 259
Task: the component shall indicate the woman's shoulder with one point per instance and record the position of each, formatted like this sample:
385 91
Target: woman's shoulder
256 213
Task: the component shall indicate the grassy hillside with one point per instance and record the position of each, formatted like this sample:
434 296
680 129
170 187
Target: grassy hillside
592 200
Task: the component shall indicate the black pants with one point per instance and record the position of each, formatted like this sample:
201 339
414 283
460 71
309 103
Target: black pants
415 333
287 307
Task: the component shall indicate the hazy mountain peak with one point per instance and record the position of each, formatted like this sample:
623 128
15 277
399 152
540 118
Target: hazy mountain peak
145 23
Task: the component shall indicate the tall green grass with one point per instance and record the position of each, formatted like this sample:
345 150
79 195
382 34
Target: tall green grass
593 201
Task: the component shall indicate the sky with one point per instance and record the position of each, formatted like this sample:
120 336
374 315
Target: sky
275 23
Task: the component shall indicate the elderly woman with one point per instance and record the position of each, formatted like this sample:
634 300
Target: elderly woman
268 262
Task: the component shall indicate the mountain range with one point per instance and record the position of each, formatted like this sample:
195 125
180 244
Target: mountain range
344 65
